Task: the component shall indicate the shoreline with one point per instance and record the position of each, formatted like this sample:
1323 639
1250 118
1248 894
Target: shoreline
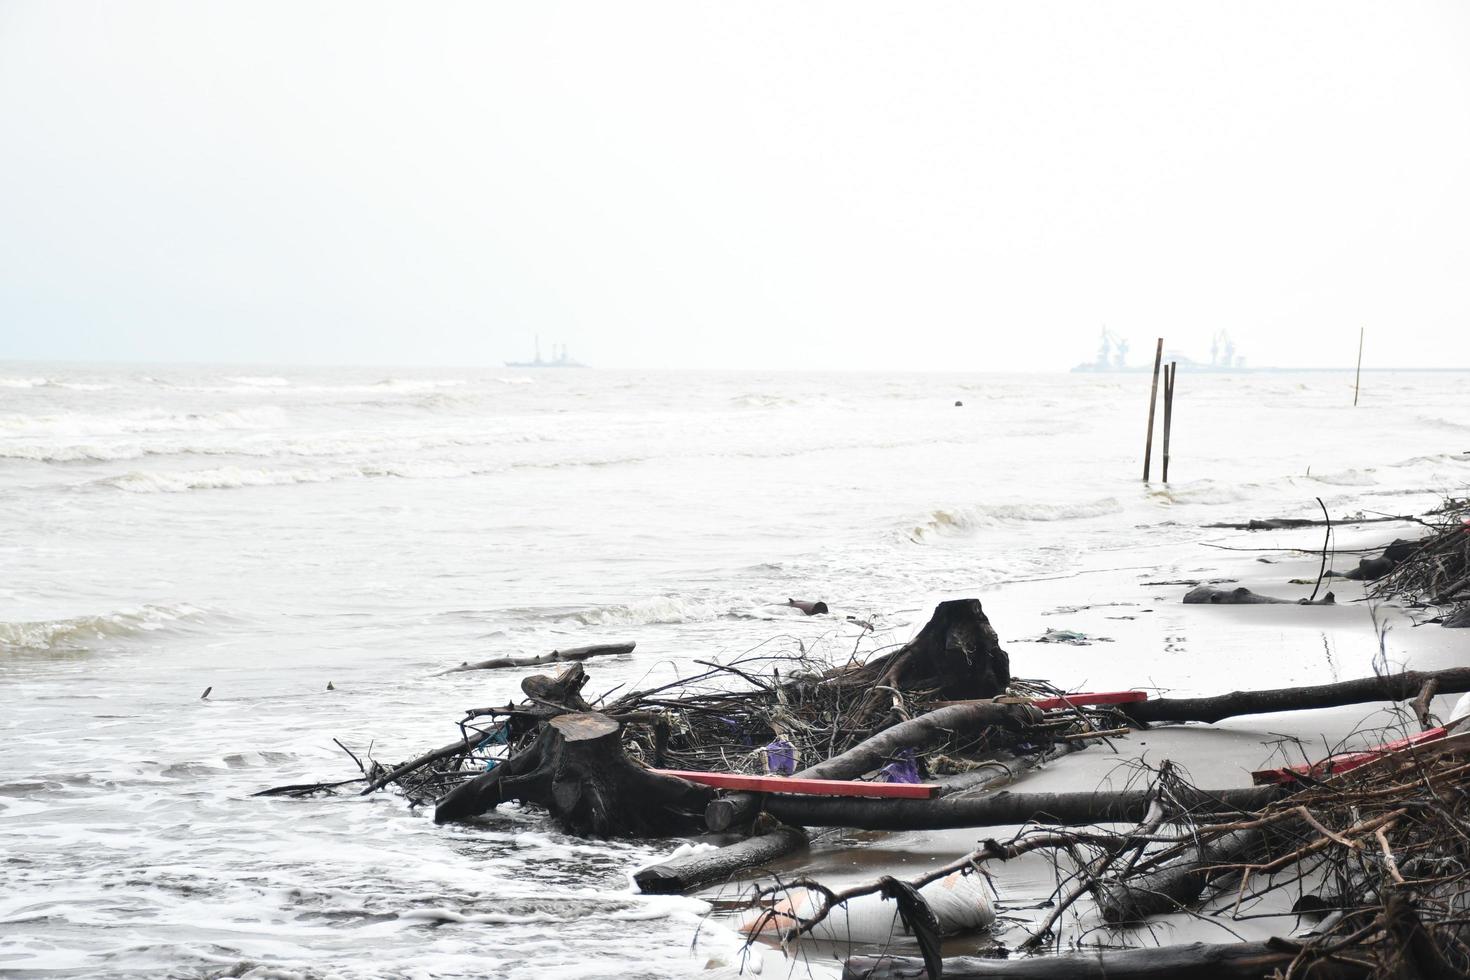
1303 645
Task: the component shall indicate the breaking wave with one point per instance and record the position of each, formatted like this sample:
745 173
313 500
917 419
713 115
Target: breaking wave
49 383
80 631
230 477
82 425
1207 492
966 519
252 381
652 611
763 401
1347 478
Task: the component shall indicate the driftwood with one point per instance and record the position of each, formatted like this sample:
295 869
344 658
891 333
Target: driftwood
577 769
1290 523
956 655
738 809
1373 569
997 769
562 692
1390 687
694 870
458 747
1179 883
817 608
877 751
1209 595
573 654
1438 569
1197 961
999 809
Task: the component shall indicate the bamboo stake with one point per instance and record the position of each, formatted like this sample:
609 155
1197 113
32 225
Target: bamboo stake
1169 373
1153 397
1357 379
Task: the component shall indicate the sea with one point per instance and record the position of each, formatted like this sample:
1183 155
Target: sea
314 546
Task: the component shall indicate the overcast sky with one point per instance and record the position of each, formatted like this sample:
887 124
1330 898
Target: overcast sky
848 185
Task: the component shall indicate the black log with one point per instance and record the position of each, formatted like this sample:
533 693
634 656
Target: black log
1209 595
877 751
1197 961
957 651
1000 809
1390 687
575 654
694 870
578 770
1175 885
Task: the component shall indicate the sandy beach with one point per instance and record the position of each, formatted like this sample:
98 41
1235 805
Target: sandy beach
264 534
1206 650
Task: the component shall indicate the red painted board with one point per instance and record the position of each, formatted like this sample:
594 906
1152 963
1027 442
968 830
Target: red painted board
806 787
1082 700
1346 762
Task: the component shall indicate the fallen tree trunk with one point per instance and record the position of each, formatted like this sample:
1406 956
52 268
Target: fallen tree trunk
999 809
578 770
1209 595
1365 690
457 747
1198 961
999 768
694 870
1177 884
555 656
873 753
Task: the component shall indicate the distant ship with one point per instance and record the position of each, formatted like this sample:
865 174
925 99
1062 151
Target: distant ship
559 359
1113 356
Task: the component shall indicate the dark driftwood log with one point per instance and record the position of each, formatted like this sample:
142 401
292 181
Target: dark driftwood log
562 691
817 608
997 769
575 654
1289 523
1177 884
875 752
997 809
957 652
457 747
1392 687
1197 961
577 769
1209 595
694 870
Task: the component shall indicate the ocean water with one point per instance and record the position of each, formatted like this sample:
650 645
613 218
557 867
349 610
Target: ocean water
265 531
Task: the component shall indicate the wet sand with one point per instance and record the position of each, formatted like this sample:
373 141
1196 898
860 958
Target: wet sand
1155 642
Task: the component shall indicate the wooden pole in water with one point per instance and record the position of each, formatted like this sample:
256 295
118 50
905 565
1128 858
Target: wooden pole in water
1153 397
1169 374
1357 379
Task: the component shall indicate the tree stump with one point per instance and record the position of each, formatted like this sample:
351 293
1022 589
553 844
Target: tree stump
562 691
577 770
956 656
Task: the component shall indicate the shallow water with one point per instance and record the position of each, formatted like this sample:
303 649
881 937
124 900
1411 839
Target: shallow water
263 532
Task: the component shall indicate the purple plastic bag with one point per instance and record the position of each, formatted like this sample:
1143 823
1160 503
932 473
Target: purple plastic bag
901 770
780 757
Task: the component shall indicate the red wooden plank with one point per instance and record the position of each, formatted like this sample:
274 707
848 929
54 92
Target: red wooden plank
805 787
1346 762
1081 700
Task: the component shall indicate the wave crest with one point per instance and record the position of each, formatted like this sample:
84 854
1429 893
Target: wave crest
77 632
652 611
964 520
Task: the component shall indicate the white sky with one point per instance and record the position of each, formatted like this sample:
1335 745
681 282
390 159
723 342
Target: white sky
963 186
